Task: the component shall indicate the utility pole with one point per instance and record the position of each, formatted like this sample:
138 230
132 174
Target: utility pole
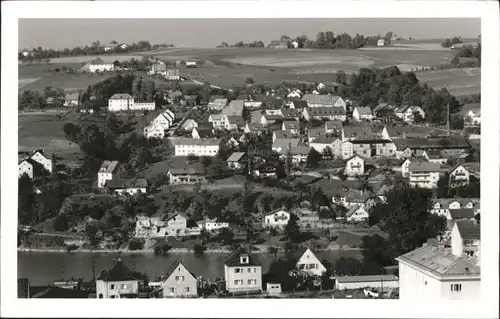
448 118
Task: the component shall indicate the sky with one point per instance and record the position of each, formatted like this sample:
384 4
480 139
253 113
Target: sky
61 33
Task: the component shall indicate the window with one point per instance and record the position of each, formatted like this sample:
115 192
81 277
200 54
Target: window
112 287
456 287
237 270
124 286
187 289
176 278
172 289
252 281
249 270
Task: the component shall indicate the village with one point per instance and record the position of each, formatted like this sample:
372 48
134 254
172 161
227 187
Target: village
339 161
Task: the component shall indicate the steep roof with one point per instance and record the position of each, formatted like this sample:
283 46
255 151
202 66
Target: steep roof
127 183
172 268
363 110
282 134
334 125
469 229
119 272
300 103
195 141
289 125
326 111
320 99
364 131
424 167
460 213
189 169
235 157
234 259
285 142
108 166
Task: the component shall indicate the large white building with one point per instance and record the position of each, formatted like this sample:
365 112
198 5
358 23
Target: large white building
157 127
435 273
116 283
317 100
243 273
196 146
125 102
424 174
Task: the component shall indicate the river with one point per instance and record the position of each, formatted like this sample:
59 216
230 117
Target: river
43 268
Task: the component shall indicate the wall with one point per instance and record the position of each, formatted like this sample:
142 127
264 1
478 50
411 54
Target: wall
415 285
370 284
105 289
231 276
180 285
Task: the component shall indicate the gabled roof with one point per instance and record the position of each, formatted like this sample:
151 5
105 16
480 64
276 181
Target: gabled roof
469 229
72 96
416 167
283 134
234 259
235 119
127 183
300 103
363 110
324 139
236 157
121 96
320 99
461 213
187 169
326 111
352 210
196 141
176 214
334 125
358 196
119 272
255 126
285 142
363 131
354 156
289 125
172 268
272 117
109 166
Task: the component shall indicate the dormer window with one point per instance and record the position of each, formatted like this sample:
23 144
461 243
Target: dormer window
244 259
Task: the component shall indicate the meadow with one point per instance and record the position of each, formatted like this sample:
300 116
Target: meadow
458 82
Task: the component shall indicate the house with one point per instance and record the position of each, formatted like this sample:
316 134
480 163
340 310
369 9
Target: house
235 107
273 112
176 225
218 121
308 263
362 113
384 107
202 132
232 142
361 131
146 227
351 197
394 131
98 65
120 102
35 164
435 156
356 213
178 282
189 100
117 283
213 225
197 147
276 219
291 114
264 170
466 238
281 144
405 166
328 113
72 99
243 273
333 127
158 68
295 94
318 100
109 170
407 113
279 44
459 176
368 148
255 128
315 132
322 142
110 47
294 44
299 154
187 175
217 104
154 130
292 126
382 282
298 104
355 166
234 122
473 117
381 42
127 186
267 120
443 206
424 174
236 160
191 64
172 75
433 272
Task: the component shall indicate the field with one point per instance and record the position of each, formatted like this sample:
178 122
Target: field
457 81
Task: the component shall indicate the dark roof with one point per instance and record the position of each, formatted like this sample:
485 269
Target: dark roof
469 229
119 272
300 103
172 268
205 132
234 259
462 213
127 183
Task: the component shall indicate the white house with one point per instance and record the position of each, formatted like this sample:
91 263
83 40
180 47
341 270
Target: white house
116 283
71 99
120 102
424 174
381 42
197 147
434 273
459 176
356 213
243 273
109 170
405 168
362 113
406 113
217 104
98 65
154 130
473 117
173 75
435 156
328 113
213 225
294 44
218 121
277 218
127 186
158 68
35 164
178 282
309 263
466 238
355 166
382 282
322 142
318 100
236 160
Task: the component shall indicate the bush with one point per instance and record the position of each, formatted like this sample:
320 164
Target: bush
71 247
60 223
161 249
199 249
135 244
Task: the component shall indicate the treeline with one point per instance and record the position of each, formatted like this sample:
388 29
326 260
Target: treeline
328 40
94 49
449 42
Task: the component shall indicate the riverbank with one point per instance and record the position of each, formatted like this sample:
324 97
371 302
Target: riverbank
151 251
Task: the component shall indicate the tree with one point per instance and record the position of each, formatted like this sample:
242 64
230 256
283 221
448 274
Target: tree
135 244
273 250
292 229
457 122
313 158
348 266
327 153
199 249
226 236
249 80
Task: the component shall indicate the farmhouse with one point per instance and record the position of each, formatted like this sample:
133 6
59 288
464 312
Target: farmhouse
127 186
317 100
234 122
72 99
465 238
109 170
329 113
279 44
424 174
368 148
267 120
35 164
276 219
176 225
360 131
197 147
280 145
236 160
392 132
448 146
154 130
299 154
382 282
362 113
98 65
187 175
459 176
178 282
242 272
443 206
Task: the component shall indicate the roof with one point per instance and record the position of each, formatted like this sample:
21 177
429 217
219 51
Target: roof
289 125
363 110
108 166
279 42
320 99
172 268
195 141
255 126
371 278
358 196
235 157
219 102
299 104
440 261
469 229
424 167
176 214
334 125
463 201
188 169
235 119
285 142
159 67
402 130
433 143
204 132
326 111
323 139
353 209
127 183
234 260
383 106
316 131
300 150
119 272
283 134
235 107
358 131
461 213
121 96
272 117
72 96
435 154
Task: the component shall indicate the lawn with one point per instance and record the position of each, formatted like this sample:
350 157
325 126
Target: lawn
458 81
